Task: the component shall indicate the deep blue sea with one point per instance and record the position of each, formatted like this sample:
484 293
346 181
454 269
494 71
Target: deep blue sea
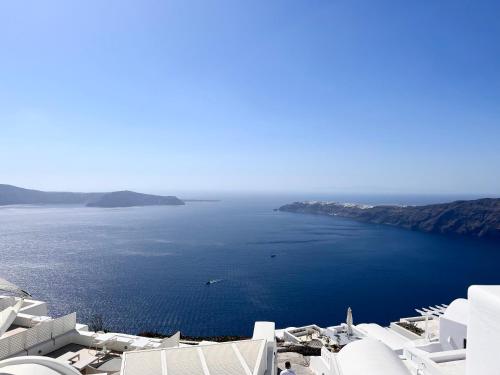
145 268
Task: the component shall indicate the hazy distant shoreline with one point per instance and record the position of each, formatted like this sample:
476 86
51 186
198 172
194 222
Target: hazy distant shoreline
201 200
10 195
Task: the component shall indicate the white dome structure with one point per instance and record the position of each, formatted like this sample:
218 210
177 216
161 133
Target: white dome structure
370 357
458 311
29 365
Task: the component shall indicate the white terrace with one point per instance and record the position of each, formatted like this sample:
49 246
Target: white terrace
460 339
31 342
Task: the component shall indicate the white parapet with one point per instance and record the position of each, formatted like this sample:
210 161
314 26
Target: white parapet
267 332
264 330
483 331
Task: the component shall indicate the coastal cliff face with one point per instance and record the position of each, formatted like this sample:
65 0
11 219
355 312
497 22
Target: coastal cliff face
480 218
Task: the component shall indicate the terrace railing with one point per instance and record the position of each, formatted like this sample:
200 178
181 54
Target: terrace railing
42 332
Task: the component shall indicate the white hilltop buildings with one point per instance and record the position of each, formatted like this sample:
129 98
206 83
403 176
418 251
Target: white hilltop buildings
462 338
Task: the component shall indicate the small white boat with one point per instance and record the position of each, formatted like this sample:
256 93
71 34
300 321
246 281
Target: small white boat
210 282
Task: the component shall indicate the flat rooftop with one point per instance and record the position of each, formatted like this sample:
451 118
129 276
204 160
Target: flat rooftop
237 357
452 367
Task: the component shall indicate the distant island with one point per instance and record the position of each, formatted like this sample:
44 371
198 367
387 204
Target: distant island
15 195
479 218
129 198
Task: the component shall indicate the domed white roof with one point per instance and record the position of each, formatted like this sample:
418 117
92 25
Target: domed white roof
458 311
30 365
370 357
28 368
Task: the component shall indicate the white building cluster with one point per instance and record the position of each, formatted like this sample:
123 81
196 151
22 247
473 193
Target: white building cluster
460 339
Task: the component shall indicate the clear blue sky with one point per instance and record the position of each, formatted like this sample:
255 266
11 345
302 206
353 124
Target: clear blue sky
319 96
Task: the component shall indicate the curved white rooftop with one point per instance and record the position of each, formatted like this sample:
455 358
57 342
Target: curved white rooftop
28 369
370 357
392 339
29 365
458 311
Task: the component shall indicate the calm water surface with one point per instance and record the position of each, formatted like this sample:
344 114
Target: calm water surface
145 268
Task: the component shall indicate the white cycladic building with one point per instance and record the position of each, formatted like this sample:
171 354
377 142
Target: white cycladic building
32 344
465 341
453 325
483 331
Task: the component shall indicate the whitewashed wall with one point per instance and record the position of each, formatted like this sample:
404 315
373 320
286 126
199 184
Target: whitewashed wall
451 334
